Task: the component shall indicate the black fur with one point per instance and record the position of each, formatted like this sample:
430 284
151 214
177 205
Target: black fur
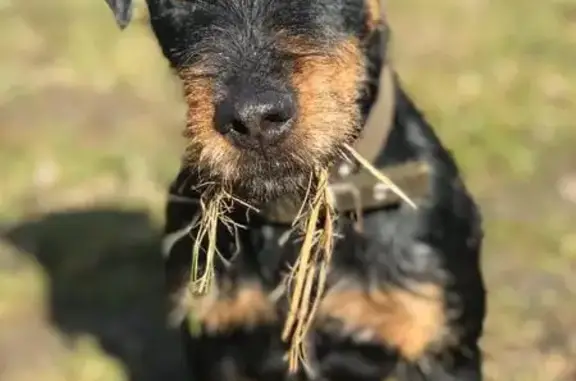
439 243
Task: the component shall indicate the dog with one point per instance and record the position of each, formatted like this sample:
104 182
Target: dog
276 89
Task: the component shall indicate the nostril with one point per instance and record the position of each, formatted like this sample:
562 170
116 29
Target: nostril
276 117
239 127
274 120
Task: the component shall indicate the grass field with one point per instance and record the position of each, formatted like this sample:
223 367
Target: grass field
89 137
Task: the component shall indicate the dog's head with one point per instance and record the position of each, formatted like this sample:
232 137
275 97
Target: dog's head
274 87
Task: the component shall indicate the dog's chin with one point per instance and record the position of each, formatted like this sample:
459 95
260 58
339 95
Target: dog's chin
259 185
259 176
267 177
257 181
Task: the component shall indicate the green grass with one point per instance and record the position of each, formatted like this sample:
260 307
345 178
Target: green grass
90 123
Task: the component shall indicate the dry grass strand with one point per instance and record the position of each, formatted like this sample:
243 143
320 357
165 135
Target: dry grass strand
379 175
308 276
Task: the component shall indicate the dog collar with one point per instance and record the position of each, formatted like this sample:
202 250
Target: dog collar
355 189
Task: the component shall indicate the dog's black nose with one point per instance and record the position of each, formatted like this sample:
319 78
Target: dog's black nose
263 118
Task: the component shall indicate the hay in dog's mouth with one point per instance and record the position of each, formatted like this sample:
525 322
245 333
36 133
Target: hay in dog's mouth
306 280
307 277
215 205
212 212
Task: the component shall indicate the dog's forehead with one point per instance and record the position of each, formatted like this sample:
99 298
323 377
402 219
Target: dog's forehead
284 13
268 5
223 33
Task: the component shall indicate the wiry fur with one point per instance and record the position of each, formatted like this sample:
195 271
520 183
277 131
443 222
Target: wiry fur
406 294
309 49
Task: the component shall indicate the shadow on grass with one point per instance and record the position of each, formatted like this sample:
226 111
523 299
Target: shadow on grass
105 274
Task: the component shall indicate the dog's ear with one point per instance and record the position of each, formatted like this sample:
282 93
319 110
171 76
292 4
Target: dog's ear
122 10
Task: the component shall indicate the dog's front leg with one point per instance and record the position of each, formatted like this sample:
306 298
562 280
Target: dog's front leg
404 296
230 331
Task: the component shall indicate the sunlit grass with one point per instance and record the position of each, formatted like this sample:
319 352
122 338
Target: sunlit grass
90 116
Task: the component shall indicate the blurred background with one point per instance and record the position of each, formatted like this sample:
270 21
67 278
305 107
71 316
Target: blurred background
90 122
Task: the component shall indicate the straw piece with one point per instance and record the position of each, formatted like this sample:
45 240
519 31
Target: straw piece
309 273
380 176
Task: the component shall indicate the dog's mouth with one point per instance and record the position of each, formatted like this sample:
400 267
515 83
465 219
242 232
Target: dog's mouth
258 173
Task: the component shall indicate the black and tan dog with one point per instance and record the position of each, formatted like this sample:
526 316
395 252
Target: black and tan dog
276 88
